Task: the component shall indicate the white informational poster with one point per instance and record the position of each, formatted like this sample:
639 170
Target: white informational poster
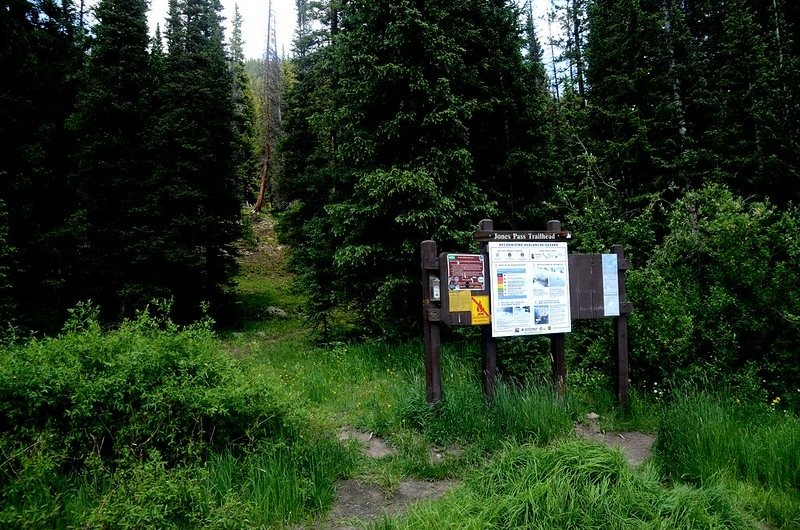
610 286
529 288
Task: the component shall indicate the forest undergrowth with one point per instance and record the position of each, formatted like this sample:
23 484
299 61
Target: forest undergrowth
154 425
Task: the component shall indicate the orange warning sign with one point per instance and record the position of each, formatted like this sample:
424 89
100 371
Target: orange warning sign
480 310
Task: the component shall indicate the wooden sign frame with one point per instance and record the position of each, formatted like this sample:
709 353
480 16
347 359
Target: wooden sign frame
589 280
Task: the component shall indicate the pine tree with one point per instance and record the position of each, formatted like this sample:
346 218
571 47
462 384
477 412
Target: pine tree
632 119
777 103
40 51
425 106
199 194
113 180
511 137
307 163
246 153
535 53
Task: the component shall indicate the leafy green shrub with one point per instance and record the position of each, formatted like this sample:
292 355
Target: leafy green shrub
720 298
145 391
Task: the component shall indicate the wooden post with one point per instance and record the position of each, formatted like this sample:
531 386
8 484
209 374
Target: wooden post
488 343
430 327
621 334
557 350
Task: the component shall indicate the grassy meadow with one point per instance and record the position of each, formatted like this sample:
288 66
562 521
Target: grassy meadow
156 426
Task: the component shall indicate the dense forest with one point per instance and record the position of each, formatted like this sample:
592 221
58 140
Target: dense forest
123 155
669 126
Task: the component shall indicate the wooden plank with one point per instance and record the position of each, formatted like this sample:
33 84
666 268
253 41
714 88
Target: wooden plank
557 342
430 262
585 295
621 338
559 362
574 285
598 302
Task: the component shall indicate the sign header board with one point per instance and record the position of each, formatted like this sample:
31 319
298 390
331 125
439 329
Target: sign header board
518 235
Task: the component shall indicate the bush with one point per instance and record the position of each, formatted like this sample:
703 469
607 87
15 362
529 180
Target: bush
720 298
146 391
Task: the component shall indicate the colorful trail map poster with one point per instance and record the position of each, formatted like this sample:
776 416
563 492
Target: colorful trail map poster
529 283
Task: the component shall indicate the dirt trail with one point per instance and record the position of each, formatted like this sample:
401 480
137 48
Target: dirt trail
636 446
358 501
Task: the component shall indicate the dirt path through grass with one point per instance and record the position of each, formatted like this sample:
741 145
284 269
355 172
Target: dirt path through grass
273 306
359 500
636 446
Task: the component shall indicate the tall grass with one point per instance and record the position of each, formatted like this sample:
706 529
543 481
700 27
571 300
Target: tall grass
519 414
273 484
703 436
573 484
280 483
749 449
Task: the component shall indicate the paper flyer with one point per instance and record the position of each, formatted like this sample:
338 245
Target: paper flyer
529 284
610 286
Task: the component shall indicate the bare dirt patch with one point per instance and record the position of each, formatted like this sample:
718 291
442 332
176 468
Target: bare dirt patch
636 446
360 502
372 445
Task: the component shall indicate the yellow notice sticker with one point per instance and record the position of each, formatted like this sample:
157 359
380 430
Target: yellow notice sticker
459 301
480 310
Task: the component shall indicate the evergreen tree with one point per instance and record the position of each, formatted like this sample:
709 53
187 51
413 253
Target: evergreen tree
571 17
632 117
535 53
739 84
40 50
424 106
403 162
199 194
246 152
114 214
307 163
511 136
777 106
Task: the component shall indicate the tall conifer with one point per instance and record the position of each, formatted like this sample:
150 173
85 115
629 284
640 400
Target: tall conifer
199 194
426 122
40 52
246 151
113 182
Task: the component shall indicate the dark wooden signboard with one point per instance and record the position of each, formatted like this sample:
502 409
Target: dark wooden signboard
465 293
586 286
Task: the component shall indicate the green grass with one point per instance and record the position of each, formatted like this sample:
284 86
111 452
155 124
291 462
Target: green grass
750 448
719 464
702 436
572 484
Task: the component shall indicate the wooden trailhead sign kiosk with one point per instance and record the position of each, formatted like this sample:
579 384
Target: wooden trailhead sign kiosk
522 283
